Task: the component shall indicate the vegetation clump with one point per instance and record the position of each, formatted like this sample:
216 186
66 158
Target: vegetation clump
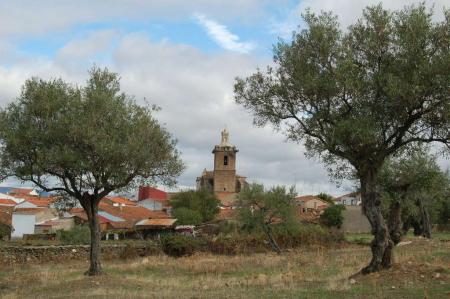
178 245
194 207
78 235
332 216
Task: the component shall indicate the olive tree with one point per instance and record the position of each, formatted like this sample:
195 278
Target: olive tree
356 97
412 187
263 209
85 142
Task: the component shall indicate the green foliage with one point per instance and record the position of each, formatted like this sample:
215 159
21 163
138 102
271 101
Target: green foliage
332 216
413 176
200 203
178 245
79 235
5 231
187 216
444 212
259 208
85 142
75 139
326 197
356 96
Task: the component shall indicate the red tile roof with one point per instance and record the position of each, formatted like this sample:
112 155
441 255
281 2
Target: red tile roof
37 200
21 191
82 215
29 211
131 215
7 202
147 192
156 222
118 200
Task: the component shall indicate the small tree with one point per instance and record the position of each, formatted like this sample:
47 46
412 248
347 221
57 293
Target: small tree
202 202
326 197
412 187
187 216
85 142
332 216
356 97
260 209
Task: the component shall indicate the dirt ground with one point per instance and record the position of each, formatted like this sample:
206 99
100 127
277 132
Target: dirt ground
422 270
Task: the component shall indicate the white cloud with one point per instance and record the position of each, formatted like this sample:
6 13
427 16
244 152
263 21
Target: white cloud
95 42
348 11
195 91
33 18
223 36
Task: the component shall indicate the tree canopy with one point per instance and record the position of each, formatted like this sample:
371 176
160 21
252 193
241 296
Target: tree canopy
85 142
415 182
332 216
357 96
201 206
261 210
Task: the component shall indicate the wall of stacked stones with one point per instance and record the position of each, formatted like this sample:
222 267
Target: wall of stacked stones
12 255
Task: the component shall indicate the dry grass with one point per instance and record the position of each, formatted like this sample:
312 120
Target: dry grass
423 271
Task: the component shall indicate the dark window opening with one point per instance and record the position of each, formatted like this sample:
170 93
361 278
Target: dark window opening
225 160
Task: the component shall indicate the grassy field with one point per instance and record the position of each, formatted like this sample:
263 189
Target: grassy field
422 271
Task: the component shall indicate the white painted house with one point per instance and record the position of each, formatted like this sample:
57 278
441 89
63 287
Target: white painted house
351 199
23 220
22 223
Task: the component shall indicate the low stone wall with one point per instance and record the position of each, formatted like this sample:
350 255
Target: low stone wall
355 221
11 255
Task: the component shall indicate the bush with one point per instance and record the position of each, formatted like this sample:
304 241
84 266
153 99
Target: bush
177 245
79 235
332 216
203 202
187 216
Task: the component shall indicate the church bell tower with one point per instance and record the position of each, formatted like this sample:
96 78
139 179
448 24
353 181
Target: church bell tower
225 165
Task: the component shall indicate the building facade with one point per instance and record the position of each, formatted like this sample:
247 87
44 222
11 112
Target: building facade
224 177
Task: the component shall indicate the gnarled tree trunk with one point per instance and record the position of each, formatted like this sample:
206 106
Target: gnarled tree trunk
371 208
425 220
273 243
395 227
94 225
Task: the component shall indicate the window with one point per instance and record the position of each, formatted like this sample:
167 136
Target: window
225 160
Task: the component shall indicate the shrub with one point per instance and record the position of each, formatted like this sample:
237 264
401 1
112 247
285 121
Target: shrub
177 245
79 235
187 216
203 202
332 216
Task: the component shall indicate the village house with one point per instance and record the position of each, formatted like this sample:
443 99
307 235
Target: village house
8 200
24 220
126 220
350 199
152 198
310 203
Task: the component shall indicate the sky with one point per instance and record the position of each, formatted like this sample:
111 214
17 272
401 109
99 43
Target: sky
182 56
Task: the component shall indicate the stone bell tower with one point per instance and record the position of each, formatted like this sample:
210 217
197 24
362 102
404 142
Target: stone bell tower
225 165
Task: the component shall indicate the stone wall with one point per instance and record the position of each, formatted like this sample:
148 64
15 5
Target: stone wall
10 255
355 221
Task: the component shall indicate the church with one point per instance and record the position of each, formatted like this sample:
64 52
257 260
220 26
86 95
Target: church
223 179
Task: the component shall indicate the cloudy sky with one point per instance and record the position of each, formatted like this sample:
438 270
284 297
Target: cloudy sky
180 55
